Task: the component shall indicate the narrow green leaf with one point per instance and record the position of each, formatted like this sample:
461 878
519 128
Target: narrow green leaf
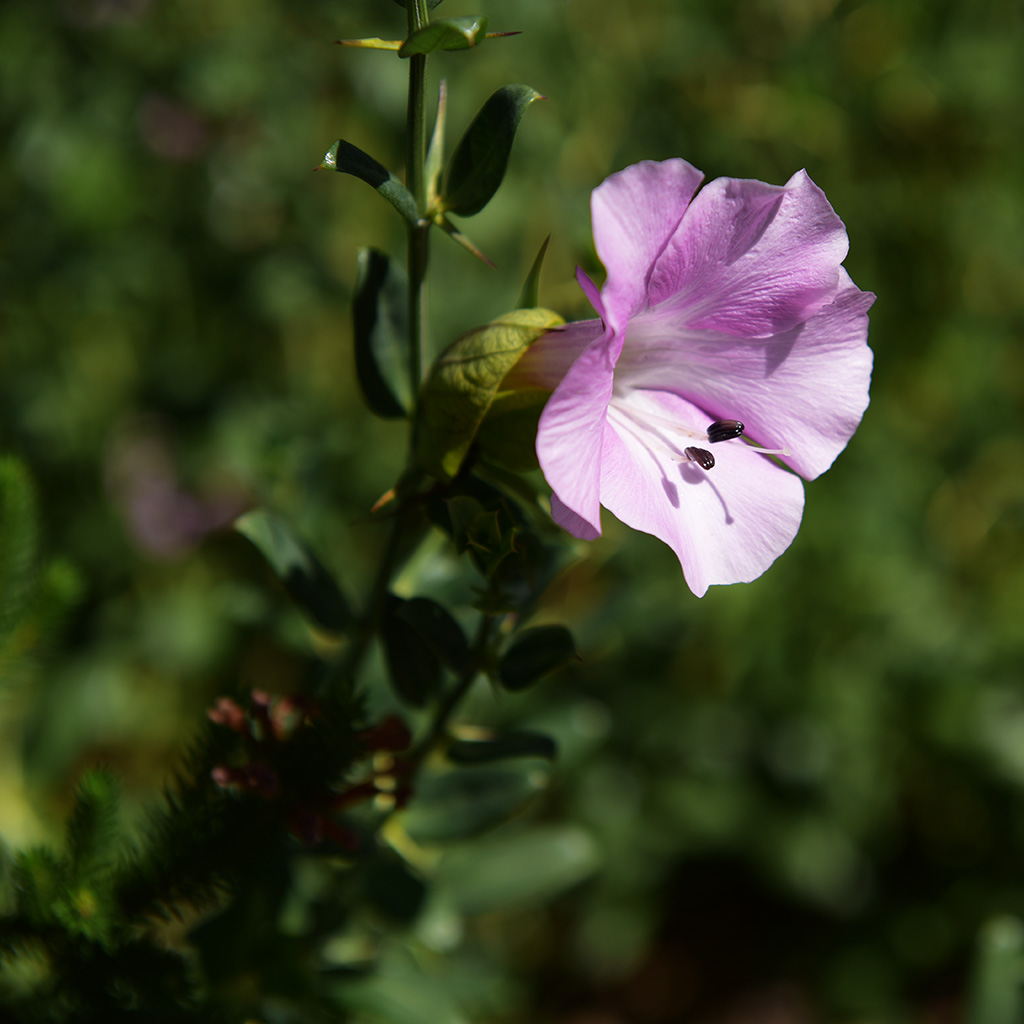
511 744
431 4
478 163
413 667
466 801
372 43
304 578
435 152
438 630
534 653
520 870
528 297
461 239
445 34
380 319
463 382
348 159
508 433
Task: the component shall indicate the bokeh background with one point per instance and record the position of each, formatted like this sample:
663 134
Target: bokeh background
794 800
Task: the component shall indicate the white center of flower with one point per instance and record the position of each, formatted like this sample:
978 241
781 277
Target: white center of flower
667 436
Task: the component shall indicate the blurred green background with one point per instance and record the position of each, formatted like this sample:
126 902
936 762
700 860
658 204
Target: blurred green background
793 800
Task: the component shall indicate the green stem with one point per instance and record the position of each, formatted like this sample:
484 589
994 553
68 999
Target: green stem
415 175
347 667
454 696
417 306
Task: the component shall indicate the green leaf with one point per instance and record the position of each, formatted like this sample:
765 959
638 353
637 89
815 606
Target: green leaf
413 667
305 579
438 630
395 891
431 4
372 43
463 382
445 34
531 286
478 163
348 159
534 653
464 802
510 744
380 326
506 871
508 433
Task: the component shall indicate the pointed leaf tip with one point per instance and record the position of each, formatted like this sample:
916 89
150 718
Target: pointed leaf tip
459 238
528 297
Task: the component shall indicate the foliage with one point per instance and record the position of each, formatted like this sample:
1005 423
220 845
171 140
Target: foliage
805 791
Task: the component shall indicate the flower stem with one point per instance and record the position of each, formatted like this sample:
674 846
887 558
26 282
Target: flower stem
415 176
346 668
453 698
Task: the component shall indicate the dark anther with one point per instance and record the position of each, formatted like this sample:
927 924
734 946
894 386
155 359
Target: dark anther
724 430
703 458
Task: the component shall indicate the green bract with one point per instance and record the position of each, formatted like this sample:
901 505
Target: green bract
463 383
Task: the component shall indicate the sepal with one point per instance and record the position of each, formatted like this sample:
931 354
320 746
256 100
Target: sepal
463 382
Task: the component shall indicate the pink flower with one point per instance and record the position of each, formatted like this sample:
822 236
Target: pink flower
726 318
